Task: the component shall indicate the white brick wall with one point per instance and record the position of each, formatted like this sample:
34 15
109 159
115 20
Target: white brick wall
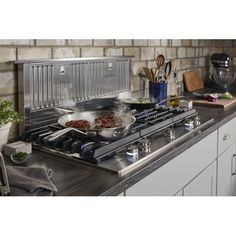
160 50
190 52
7 54
132 52
66 52
176 42
137 67
123 42
103 42
113 51
7 83
170 53
16 42
80 42
140 42
154 42
92 52
50 42
147 53
33 53
181 53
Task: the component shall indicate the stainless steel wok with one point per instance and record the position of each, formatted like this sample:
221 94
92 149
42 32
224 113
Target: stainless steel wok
104 133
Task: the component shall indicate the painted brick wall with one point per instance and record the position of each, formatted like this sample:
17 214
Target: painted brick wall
185 54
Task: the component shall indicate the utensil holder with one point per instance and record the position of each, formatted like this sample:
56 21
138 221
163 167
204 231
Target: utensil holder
158 92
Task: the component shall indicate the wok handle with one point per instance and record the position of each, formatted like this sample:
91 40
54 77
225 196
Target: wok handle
59 133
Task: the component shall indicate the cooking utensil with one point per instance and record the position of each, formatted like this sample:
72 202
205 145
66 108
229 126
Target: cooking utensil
135 104
148 73
160 60
104 133
167 70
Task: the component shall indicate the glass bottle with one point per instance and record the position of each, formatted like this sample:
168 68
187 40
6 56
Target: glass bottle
178 87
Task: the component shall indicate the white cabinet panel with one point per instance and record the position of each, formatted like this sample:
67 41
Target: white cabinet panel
173 176
204 184
226 135
224 183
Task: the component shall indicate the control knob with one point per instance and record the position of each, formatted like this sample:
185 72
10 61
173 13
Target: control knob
145 145
132 153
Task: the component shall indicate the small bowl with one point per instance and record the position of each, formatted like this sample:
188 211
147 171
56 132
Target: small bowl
20 157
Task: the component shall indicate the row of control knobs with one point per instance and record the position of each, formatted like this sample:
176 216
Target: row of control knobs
144 145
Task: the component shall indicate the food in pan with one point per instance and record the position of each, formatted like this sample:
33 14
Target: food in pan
79 124
106 121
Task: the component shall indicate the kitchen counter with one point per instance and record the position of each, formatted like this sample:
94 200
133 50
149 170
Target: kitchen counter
78 179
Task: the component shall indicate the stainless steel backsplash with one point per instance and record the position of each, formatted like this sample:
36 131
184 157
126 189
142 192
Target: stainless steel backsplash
46 84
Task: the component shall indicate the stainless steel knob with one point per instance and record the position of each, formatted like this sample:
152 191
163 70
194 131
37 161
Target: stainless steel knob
189 124
170 133
196 121
132 153
145 145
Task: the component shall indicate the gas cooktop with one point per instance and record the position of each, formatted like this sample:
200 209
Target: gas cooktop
155 131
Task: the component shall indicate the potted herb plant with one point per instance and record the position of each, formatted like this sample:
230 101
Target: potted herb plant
7 117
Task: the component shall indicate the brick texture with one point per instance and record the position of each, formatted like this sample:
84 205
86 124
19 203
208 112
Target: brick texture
50 42
132 52
103 42
16 42
123 42
91 52
66 52
7 83
34 53
7 54
114 52
80 42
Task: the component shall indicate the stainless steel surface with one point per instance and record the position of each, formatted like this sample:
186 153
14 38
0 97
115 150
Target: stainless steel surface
159 145
45 84
105 133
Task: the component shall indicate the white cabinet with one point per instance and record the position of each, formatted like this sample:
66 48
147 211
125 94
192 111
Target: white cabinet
169 179
226 136
204 184
226 180
226 184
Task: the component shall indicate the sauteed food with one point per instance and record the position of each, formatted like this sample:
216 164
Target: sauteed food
105 121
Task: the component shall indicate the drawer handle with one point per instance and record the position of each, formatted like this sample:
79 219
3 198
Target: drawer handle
226 136
234 173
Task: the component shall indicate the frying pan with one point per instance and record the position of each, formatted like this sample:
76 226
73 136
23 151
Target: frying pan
138 105
109 134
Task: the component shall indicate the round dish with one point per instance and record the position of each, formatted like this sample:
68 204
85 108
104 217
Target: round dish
20 157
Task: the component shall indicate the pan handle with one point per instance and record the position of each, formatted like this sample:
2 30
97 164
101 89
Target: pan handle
59 133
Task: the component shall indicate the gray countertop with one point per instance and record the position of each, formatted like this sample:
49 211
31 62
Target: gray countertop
77 179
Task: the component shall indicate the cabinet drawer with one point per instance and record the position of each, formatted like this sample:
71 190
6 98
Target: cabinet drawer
226 136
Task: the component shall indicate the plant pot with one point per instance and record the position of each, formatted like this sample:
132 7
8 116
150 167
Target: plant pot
4 133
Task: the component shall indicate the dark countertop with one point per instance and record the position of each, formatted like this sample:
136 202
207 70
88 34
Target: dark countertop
77 179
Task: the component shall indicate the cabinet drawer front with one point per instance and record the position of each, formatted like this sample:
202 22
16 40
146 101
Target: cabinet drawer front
226 135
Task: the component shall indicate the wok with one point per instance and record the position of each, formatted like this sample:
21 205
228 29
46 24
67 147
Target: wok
109 134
